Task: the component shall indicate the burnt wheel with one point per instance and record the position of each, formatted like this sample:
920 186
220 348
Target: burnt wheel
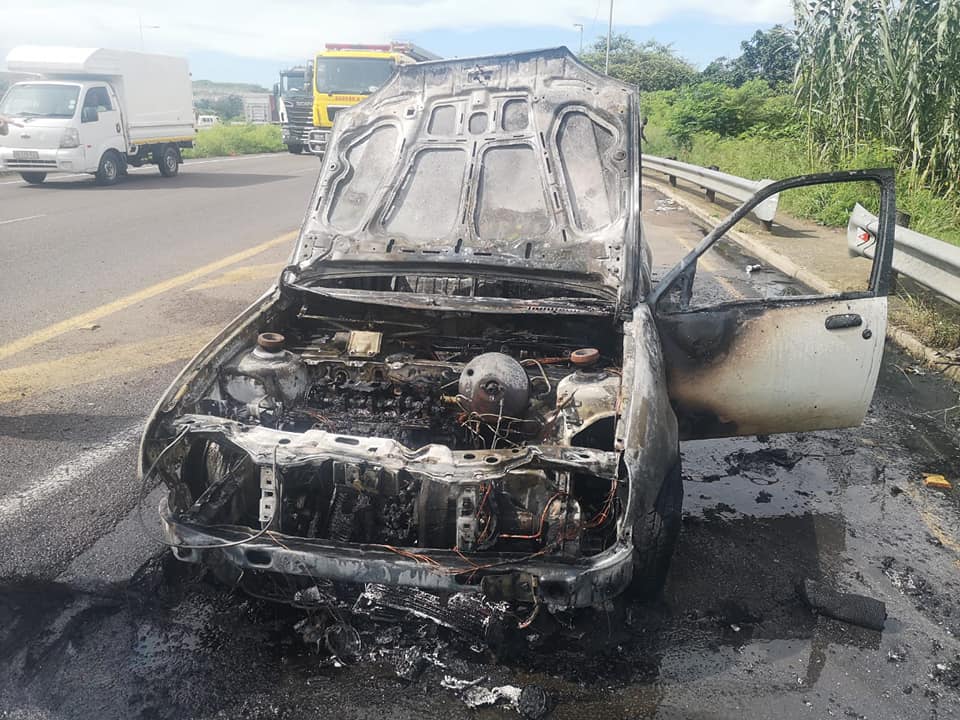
34 178
655 535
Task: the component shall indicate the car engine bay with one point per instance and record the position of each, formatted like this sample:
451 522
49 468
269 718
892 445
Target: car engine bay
525 405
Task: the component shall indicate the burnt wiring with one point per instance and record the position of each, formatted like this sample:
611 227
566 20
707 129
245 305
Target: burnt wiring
601 517
543 373
543 519
472 422
206 546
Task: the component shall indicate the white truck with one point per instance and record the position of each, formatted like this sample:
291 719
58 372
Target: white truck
93 110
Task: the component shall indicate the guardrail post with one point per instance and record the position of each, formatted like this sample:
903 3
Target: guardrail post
711 194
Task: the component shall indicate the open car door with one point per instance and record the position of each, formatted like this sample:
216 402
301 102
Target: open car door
758 366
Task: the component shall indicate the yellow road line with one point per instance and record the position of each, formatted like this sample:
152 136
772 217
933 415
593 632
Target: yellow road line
86 367
247 273
91 316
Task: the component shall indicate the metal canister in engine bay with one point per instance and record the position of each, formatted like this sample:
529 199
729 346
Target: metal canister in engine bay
266 375
585 397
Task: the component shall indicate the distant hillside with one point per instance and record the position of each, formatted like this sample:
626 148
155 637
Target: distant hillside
209 88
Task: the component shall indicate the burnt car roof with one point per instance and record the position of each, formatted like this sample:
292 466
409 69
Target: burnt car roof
526 162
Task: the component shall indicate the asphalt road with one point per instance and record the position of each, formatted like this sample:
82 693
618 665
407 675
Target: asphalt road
108 291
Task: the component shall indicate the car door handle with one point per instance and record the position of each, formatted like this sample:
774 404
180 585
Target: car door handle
118 128
844 320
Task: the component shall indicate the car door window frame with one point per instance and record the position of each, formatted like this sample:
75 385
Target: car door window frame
682 274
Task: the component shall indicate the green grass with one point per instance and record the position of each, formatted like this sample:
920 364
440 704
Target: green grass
935 323
223 140
931 213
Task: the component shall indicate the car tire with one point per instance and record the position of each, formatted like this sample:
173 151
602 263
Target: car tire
295 149
34 178
169 161
111 168
655 536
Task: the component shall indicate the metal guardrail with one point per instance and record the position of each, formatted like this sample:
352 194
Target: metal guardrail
714 181
932 263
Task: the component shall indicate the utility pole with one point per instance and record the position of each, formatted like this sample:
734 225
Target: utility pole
606 68
579 26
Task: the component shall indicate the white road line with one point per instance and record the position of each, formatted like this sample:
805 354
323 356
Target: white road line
26 501
54 176
233 158
21 219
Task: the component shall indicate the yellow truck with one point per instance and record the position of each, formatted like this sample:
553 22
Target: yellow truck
345 73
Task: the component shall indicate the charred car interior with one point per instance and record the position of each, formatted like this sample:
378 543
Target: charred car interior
463 381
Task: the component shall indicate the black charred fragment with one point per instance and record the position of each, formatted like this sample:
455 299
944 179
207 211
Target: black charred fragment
853 608
467 614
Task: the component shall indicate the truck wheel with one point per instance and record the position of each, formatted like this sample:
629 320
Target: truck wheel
110 168
169 161
33 178
295 149
655 537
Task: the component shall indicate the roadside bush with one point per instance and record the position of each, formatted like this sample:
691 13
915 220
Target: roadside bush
708 107
235 140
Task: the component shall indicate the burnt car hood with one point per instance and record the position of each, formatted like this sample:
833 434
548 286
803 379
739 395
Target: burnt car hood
524 164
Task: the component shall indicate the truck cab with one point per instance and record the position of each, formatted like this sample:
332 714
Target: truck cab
59 126
344 74
295 106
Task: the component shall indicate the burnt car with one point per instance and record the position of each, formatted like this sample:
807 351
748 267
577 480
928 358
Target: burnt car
465 380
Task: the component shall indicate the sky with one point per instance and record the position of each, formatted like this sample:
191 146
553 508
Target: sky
251 40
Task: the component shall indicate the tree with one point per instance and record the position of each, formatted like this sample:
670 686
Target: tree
649 65
725 71
770 56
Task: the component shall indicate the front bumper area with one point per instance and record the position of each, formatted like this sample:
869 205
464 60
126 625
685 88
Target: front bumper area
317 141
299 134
559 585
51 160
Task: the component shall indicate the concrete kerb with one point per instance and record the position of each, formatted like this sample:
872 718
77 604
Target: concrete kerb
900 336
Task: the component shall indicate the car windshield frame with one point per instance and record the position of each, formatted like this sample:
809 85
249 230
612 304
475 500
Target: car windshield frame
349 80
62 107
